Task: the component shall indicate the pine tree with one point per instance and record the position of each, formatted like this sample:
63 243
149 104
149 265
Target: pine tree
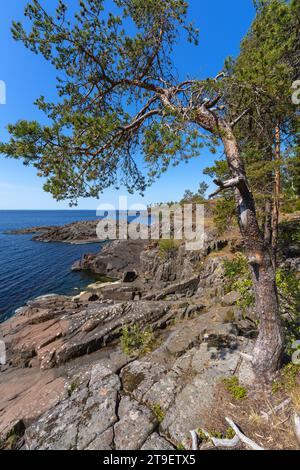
108 69
266 66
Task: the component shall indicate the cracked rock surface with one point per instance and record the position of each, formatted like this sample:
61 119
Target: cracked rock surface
148 403
68 385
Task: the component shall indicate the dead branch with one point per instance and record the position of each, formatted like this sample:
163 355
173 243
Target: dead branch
242 436
297 427
237 120
267 414
220 75
226 442
194 440
211 103
231 183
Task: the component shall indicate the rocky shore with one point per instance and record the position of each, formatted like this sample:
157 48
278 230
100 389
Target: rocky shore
74 380
76 232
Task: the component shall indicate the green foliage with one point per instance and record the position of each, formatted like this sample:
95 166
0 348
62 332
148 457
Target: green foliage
11 440
260 80
234 268
239 279
288 284
291 375
224 214
198 197
290 205
180 446
216 434
289 379
229 434
201 434
72 388
158 412
244 287
225 209
289 233
234 388
104 57
167 246
134 340
276 387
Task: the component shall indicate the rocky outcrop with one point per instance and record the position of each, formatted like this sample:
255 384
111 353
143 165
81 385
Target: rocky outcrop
55 329
88 413
69 385
150 403
75 232
58 344
75 392
114 259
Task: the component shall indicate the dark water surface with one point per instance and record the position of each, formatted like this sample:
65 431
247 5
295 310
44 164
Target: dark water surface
30 268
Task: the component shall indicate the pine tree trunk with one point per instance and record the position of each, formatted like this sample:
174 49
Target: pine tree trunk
277 187
269 345
268 220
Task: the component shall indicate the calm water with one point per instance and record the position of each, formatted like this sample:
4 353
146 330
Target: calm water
29 268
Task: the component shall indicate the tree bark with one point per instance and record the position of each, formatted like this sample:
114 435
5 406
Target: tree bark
269 345
277 188
268 220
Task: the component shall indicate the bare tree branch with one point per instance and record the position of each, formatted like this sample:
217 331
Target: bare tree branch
237 120
242 436
231 183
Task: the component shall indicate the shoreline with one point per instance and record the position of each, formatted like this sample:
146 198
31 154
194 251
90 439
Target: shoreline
95 287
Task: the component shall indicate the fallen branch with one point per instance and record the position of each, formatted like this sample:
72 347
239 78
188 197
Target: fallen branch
297 427
266 414
226 442
194 440
242 436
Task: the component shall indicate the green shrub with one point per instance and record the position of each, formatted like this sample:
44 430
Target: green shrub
216 434
202 436
234 388
224 214
158 412
236 267
239 279
288 286
167 246
288 380
229 434
134 340
291 205
180 446
244 287
72 388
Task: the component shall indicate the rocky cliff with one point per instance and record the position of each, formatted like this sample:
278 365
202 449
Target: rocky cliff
141 362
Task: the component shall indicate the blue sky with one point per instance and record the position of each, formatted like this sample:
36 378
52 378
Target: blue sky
222 24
